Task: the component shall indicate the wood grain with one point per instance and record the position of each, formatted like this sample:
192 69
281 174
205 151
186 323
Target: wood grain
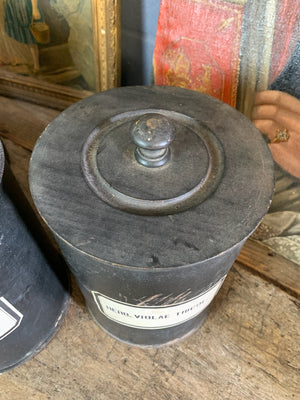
23 122
271 266
247 349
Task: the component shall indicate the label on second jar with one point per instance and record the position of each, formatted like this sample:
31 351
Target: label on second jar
155 317
10 318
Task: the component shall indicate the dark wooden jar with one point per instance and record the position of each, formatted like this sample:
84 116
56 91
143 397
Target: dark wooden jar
34 295
151 193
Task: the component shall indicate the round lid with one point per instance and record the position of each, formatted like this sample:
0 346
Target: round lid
152 176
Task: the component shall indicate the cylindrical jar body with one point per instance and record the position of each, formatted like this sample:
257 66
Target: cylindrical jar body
34 295
148 307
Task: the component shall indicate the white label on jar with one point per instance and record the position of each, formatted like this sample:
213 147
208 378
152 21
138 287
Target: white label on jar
10 318
155 317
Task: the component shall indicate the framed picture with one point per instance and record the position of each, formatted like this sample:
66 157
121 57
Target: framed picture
229 49
55 52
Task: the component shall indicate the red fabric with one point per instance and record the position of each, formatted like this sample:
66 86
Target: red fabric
197 46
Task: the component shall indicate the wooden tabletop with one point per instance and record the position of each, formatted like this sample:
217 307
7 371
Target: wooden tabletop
248 347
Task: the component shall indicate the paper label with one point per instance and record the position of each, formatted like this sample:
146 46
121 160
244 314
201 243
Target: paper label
10 318
155 317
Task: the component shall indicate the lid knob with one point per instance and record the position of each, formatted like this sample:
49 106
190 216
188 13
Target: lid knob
152 133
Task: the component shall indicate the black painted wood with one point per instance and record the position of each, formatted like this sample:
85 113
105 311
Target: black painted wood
78 216
177 256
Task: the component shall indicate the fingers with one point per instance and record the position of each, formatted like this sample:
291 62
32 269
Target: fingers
268 127
281 117
275 110
280 109
278 99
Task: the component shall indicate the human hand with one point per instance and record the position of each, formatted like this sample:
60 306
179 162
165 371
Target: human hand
275 110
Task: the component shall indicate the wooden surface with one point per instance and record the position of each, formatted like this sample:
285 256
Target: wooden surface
40 92
271 266
248 348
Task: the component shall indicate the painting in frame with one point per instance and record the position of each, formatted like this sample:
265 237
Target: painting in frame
56 52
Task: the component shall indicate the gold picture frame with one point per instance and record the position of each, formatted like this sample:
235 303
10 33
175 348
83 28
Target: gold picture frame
106 27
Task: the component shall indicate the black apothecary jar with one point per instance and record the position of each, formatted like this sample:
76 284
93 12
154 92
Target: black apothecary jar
34 285
151 192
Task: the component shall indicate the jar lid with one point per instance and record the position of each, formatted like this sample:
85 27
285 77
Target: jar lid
152 176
